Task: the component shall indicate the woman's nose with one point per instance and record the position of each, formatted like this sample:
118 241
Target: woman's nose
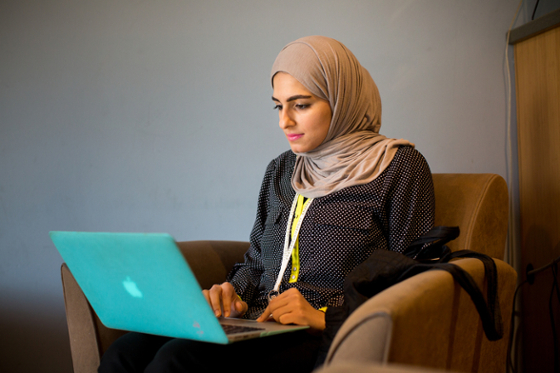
285 120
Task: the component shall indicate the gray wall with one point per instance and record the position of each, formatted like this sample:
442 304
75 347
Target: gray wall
122 115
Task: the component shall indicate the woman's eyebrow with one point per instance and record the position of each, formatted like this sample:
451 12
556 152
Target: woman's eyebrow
296 97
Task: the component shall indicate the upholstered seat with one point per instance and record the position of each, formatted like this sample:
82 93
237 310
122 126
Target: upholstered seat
427 320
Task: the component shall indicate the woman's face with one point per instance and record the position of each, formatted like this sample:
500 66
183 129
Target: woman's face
304 117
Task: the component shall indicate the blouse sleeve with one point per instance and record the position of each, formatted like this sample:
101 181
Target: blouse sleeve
245 277
410 205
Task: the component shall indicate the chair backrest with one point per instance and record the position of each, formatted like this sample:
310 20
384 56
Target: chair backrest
478 205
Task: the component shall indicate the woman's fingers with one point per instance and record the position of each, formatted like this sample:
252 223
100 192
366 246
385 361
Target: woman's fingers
215 295
273 310
240 306
224 300
266 315
291 307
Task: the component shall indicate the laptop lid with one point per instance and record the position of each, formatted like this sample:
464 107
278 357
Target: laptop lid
141 282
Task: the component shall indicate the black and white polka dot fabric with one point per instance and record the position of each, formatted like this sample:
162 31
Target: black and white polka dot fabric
339 231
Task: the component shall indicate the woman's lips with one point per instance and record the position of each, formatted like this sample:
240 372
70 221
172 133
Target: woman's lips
293 137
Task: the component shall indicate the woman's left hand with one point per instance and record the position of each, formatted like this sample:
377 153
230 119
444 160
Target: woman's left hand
290 307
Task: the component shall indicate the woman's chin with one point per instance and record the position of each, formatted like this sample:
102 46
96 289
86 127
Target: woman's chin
301 148
298 149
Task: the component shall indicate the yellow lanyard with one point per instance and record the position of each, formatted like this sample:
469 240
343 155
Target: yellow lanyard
289 244
295 252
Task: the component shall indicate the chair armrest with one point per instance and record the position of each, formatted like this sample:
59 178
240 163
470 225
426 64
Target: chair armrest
364 338
427 320
89 338
82 326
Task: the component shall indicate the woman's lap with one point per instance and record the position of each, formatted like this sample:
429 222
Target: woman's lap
136 352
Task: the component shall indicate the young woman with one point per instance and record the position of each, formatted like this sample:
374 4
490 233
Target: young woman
341 192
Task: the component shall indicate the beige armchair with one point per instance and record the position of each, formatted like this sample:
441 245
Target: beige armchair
427 320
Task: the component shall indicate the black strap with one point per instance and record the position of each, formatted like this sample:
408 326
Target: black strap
432 244
489 310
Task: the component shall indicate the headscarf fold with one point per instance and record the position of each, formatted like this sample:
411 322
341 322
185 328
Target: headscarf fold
353 153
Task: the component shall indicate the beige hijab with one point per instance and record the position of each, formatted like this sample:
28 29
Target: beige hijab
353 153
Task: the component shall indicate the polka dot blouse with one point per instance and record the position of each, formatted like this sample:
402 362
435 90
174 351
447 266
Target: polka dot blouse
339 231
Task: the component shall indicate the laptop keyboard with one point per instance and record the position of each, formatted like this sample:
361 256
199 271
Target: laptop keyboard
232 329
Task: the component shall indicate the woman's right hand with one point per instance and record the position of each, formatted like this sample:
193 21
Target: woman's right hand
223 298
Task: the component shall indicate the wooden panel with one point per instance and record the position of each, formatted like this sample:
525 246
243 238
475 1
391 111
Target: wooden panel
537 62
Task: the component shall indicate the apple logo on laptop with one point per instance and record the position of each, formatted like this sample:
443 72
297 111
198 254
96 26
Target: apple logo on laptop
132 288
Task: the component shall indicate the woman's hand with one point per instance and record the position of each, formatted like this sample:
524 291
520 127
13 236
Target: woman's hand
290 307
224 301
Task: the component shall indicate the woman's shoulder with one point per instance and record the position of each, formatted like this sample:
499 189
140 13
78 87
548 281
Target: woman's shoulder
280 167
407 157
287 156
407 165
284 160
409 152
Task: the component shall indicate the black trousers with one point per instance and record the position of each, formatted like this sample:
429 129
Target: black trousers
136 352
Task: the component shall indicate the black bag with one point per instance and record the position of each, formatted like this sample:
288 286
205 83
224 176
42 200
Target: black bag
386 268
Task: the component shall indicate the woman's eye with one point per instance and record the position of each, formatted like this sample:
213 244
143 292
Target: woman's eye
277 107
302 106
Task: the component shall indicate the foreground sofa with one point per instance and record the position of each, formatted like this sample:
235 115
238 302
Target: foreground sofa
427 320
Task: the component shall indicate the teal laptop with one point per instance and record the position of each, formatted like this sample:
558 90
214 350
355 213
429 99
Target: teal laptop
141 282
